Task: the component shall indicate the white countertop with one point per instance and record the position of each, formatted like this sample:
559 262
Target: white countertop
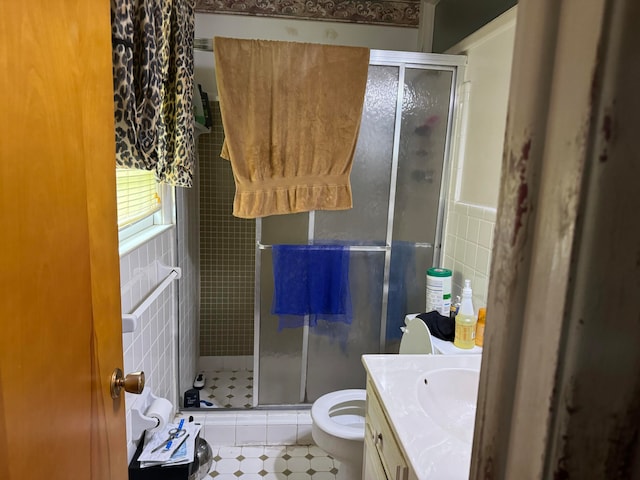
431 452
442 346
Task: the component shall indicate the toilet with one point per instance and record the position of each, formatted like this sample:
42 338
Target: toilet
338 417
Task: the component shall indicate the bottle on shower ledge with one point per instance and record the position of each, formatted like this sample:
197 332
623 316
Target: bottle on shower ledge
465 336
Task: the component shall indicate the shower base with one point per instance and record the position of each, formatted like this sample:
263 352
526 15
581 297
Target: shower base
228 382
227 389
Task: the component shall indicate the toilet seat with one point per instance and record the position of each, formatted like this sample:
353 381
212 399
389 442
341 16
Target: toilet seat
341 413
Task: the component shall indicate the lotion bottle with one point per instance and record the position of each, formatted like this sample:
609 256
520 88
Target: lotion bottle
482 315
465 336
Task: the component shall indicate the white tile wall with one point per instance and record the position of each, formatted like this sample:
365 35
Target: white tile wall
151 347
467 249
266 427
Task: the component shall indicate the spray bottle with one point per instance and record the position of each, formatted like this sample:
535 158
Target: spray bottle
466 320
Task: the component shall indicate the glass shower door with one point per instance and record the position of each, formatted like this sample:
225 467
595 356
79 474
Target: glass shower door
365 228
393 233
420 193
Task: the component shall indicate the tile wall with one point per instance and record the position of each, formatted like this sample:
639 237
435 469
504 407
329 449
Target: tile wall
467 249
151 347
227 255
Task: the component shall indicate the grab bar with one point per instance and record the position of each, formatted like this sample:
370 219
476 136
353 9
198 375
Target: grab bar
130 320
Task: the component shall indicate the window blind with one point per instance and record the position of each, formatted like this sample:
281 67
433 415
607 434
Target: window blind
137 195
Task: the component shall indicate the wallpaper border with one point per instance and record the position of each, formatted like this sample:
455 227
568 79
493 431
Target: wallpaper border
403 13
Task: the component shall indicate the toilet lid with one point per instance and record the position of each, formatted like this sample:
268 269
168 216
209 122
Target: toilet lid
416 338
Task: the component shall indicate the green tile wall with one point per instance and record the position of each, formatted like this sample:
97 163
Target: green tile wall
227 255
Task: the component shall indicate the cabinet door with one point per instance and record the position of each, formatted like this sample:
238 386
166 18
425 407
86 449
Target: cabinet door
382 438
372 468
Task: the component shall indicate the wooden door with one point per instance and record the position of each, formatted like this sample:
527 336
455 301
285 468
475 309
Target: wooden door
59 281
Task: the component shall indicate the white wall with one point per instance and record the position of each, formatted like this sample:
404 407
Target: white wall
489 54
332 33
477 161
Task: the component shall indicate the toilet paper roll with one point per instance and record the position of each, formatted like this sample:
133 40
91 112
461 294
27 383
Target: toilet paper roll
161 411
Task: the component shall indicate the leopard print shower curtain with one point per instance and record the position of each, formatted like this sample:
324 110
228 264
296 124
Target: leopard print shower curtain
153 87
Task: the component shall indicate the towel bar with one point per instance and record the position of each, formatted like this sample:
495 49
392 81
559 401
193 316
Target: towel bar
130 320
358 248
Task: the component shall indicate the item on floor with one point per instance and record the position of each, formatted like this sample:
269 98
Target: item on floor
191 398
466 320
204 458
439 290
439 326
313 281
199 382
183 471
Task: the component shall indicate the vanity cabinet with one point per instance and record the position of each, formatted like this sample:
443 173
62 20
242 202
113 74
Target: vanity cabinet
383 457
403 440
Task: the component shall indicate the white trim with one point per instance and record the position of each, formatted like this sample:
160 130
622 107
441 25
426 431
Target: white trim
377 57
140 232
142 237
425 30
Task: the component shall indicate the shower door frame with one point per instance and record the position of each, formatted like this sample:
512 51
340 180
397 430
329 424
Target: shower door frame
402 60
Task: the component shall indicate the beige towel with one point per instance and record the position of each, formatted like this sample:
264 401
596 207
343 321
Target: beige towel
291 114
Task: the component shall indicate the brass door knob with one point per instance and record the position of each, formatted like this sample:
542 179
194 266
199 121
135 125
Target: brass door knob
132 383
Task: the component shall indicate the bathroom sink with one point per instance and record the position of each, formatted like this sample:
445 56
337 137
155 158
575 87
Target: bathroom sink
449 397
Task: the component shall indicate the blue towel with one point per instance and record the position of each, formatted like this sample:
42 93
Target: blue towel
402 270
311 280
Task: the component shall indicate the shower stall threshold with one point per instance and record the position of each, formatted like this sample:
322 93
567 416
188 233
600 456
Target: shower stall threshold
272 426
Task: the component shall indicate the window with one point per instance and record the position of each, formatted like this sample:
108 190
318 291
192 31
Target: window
142 202
138 195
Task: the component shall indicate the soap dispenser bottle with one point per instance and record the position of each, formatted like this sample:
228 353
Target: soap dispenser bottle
465 336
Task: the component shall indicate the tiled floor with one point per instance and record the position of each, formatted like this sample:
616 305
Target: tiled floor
228 389
272 463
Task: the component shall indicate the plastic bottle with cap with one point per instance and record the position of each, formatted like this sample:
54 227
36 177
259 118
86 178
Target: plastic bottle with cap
465 336
482 314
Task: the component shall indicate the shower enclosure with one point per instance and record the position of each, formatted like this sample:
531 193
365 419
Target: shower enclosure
399 182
